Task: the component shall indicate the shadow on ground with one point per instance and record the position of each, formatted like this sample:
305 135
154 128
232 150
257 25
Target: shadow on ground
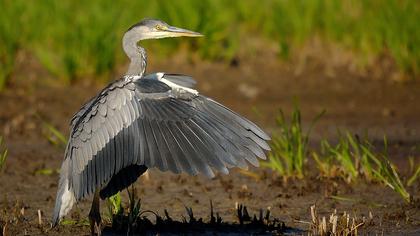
263 224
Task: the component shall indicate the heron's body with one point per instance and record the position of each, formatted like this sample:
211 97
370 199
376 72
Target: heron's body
145 121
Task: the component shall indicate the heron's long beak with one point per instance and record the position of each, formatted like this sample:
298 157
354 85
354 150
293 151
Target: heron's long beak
177 32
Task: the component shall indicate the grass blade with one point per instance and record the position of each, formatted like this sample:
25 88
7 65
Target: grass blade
3 154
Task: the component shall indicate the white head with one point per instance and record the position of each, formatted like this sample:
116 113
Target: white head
152 29
148 29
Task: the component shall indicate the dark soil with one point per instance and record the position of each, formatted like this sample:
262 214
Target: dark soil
354 102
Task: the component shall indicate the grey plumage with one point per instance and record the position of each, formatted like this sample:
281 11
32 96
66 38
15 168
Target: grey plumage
151 126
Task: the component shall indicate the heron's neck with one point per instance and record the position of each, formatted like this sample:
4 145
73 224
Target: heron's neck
138 63
136 54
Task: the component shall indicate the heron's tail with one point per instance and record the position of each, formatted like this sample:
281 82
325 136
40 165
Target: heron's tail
65 197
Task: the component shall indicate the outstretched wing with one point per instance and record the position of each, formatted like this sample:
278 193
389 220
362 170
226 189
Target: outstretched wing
156 123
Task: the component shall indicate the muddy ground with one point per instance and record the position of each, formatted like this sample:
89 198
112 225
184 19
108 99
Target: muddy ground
256 89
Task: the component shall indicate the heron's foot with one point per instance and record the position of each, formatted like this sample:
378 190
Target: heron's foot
95 223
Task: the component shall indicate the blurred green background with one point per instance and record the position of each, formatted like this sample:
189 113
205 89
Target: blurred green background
74 38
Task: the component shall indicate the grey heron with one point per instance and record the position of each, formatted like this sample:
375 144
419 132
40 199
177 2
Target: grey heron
143 121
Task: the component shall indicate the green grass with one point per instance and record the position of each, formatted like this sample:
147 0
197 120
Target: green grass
414 177
356 159
386 172
325 161
75 39
125 219
53 135
350 159
289 146
3 154
115 204
346 158
415 171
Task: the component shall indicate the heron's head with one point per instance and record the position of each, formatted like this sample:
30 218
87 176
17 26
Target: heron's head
156 29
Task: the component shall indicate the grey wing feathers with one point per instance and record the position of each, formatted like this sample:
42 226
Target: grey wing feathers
182 80
148 124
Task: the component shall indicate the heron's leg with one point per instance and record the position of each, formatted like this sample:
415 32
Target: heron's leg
95 215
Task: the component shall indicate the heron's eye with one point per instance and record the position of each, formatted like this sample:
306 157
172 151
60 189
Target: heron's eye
160 27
